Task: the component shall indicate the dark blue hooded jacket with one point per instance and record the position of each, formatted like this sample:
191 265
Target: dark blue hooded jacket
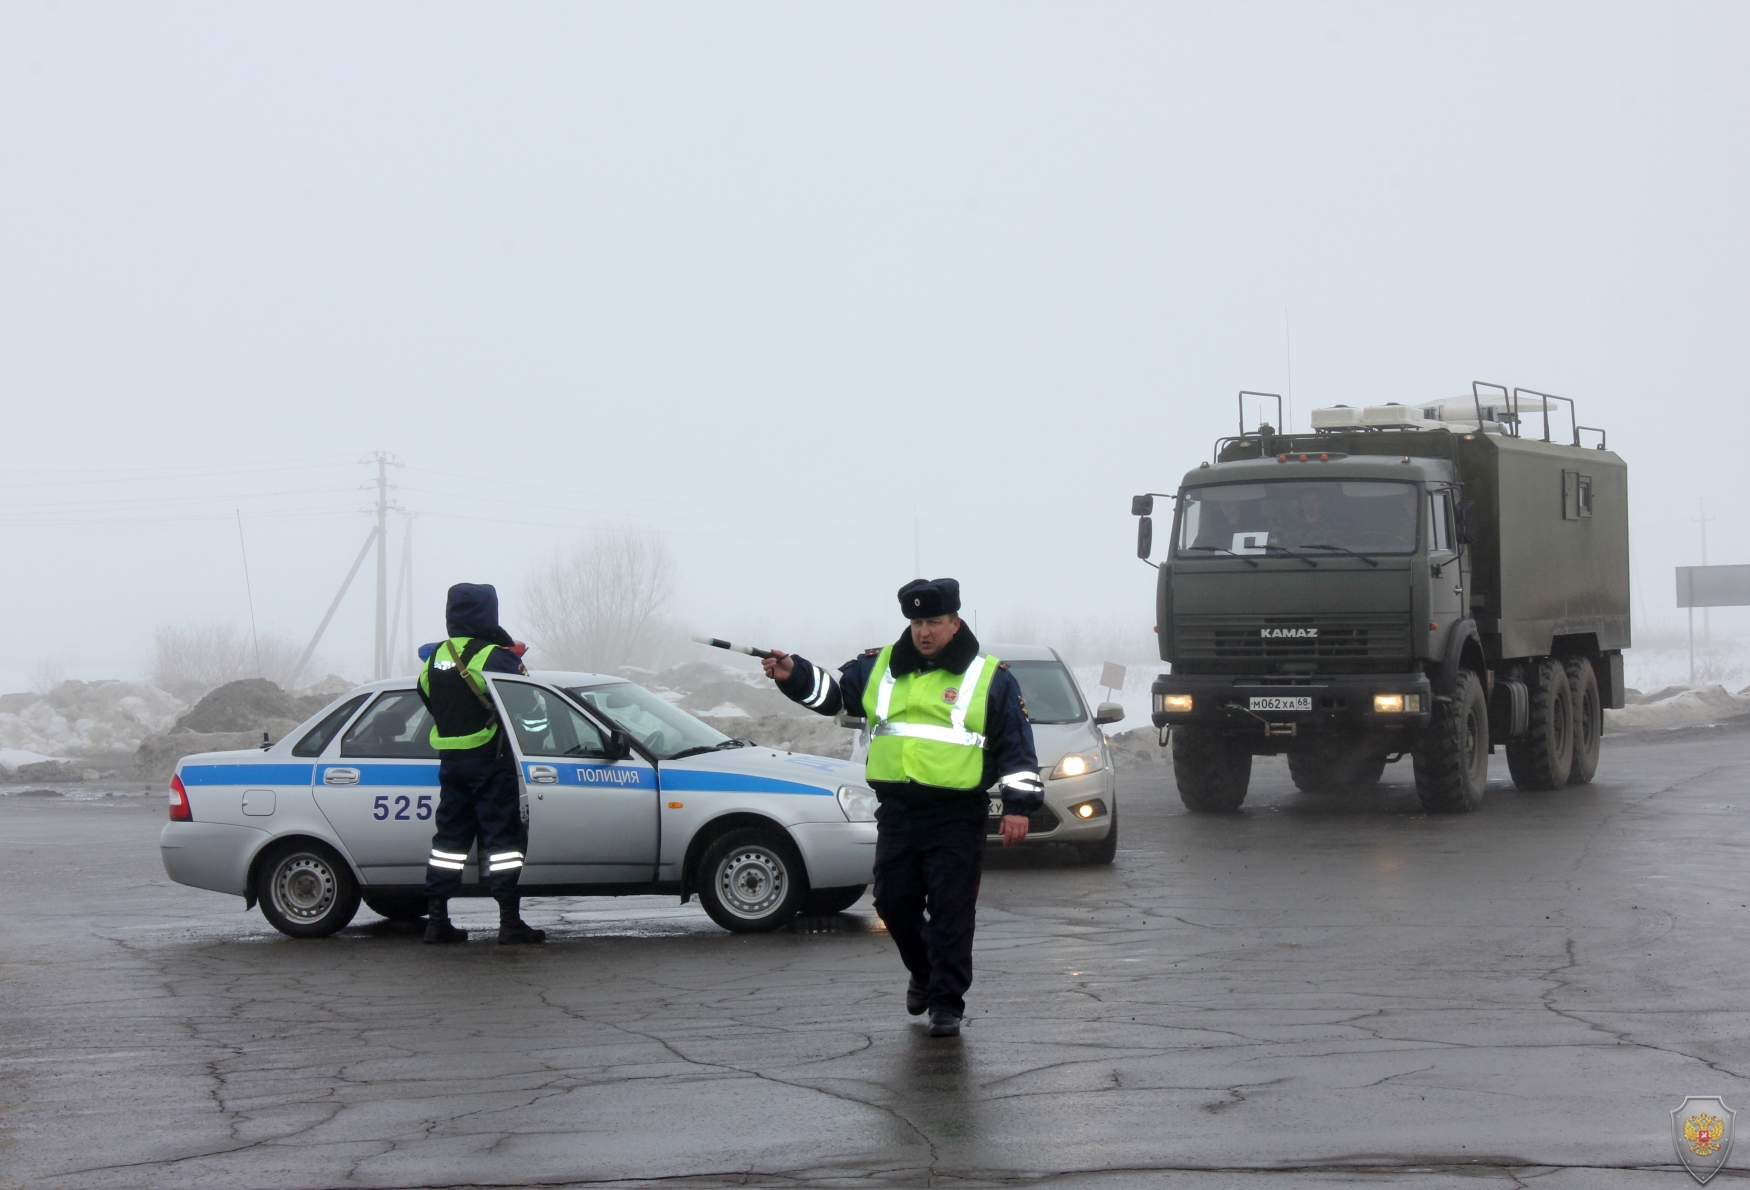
472 610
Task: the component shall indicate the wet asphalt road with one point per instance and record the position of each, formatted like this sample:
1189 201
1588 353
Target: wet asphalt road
1314 992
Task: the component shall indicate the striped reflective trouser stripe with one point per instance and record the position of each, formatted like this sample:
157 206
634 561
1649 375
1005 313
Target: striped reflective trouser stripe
504 861
448 860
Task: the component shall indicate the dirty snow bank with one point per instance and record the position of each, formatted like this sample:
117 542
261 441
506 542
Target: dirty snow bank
85 719
1677 706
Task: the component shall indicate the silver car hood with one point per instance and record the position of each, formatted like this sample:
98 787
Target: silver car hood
1054 741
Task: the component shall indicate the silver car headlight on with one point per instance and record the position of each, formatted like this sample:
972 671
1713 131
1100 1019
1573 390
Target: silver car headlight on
858 802
1078 764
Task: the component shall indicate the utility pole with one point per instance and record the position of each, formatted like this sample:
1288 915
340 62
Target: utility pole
917 566
380 656
1707 638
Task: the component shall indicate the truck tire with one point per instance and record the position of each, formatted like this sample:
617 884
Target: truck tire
1543 757
1334 769
1212 771
1588 719
1452 761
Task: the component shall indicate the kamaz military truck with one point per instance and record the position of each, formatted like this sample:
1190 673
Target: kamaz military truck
1406 580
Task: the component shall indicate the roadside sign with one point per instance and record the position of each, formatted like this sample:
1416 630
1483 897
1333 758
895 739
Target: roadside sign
1713 586
1112 676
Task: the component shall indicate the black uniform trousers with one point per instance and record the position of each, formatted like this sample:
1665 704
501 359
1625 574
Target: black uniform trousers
478 799
928 860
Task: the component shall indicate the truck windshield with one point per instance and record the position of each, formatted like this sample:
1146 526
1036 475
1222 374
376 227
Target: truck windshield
1305 516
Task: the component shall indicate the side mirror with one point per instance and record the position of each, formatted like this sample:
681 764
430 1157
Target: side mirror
1109 712
1467 521
853 722
619 745
1141 505
1145 538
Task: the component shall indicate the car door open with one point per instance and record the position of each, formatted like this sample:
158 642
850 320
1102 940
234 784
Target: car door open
593 819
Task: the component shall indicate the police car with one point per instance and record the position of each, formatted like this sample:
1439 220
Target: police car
622 793
1081 800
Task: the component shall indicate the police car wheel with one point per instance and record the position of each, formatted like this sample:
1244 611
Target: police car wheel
306 890
752 879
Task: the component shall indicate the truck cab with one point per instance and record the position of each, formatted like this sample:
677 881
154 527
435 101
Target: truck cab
1370 592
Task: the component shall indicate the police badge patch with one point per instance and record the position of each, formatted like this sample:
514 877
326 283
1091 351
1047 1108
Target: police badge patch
1701 1131
951 694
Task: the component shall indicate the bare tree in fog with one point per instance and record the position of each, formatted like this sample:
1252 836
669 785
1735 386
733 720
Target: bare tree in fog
602 604
190 659
45 675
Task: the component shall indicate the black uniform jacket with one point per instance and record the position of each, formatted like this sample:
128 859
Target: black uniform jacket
1008 736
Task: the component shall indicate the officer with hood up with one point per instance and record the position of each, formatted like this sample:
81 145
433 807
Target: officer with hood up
476 771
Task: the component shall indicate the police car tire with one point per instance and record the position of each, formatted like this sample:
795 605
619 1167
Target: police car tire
1452 760
1542 758
1211 770
823 902
397 908
1588 720
305 889
753 855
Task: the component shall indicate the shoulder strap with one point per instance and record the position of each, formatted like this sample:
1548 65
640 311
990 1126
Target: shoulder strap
474 681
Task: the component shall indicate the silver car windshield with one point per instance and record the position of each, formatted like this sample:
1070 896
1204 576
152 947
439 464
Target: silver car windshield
661 728
1310 516
1049 692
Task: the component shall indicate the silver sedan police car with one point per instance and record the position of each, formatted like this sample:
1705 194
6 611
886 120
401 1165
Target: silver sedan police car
622 793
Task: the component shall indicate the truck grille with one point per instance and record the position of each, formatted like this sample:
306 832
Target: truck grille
1340 637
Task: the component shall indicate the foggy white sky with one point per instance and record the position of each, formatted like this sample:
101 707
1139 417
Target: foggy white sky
767 277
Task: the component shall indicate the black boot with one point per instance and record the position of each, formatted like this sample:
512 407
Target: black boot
944 1024
917 996
437 923
512 929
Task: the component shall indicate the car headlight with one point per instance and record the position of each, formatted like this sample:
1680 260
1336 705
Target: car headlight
858 802
1173 704
1078 764
1397 704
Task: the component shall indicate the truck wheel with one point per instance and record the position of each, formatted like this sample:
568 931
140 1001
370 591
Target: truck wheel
1211 770
752 880
397 908
1544 756
1588 719
1452 761
305 889
824 902
1332 770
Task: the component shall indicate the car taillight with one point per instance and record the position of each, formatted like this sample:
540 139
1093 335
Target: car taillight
179 811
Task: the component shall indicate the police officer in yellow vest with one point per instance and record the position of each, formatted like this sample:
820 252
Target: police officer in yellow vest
946 726
476 772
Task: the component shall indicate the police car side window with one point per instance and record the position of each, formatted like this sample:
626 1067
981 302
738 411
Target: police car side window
546 725
396 727
317 737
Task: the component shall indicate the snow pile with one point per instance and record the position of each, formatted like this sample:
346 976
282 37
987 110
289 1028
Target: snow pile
87 719
1679 706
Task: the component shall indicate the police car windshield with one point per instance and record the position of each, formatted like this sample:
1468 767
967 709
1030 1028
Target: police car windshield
661 728
1049 692
1363 516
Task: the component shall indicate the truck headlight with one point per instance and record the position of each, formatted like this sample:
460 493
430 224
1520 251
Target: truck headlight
1175 704
1078 764
1397 704
858 802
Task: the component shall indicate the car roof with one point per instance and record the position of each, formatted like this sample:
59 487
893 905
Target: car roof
1025 652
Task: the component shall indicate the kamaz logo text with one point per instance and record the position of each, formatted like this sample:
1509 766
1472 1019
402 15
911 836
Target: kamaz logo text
1288 633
